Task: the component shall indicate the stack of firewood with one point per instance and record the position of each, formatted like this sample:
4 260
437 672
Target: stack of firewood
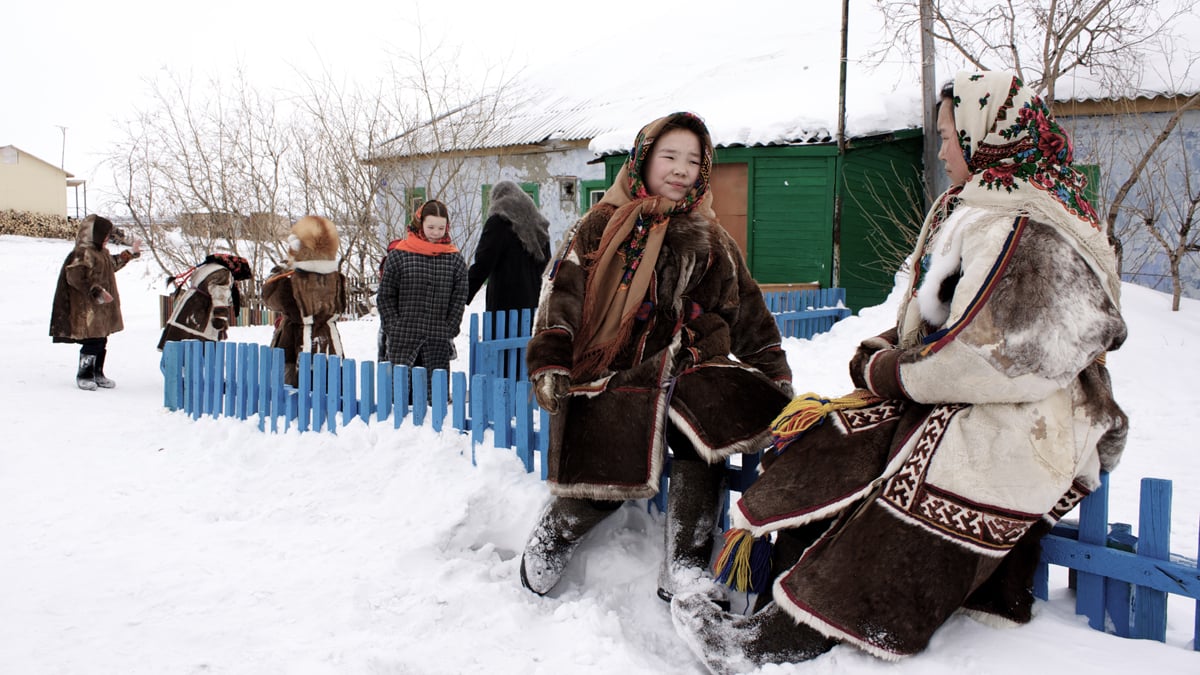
28 224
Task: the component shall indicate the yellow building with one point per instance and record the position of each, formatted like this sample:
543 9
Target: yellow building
28 183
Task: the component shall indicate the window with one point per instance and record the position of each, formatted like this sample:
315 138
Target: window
590 193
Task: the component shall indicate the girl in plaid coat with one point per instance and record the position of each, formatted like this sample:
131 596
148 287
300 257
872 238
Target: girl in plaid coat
423 292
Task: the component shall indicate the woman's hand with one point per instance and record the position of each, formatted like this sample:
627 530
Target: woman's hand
549 389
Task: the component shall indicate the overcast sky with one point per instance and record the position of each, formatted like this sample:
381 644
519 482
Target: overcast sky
83 65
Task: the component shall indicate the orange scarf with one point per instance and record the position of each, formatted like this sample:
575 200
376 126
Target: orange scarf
415 244
610 300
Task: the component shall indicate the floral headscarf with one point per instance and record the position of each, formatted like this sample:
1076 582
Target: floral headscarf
1012 143
625 260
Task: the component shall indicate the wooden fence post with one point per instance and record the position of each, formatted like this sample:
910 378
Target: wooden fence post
332 395
367 403
320 386
400 384
349 389
304 381
420 394
440 395
1154 541
231 361
384 381
459 397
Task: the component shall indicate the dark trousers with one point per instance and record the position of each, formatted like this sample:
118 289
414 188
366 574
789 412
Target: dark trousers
93 346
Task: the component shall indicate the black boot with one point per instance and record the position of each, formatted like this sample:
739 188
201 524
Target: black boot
694 499
728 643
563 524
86 377
102 381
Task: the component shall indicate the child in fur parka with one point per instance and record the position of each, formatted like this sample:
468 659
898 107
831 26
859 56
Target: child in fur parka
308 293
206 300
979 420
87 304
650 333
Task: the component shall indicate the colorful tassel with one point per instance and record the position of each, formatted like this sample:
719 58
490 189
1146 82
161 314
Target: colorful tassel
808 410
745 562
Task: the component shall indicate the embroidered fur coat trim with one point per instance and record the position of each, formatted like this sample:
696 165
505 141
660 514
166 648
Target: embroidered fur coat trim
706 359
203 308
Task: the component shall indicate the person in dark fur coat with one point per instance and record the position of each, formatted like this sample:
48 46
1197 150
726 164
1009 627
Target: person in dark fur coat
512 251
650 334
979 420
87 305
308 293
207 299
423 292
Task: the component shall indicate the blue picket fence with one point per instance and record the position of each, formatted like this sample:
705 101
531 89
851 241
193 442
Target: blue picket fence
1122 581
498 339
245 381
808 312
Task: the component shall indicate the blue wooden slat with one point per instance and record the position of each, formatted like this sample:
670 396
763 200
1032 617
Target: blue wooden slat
479 383
384 386
1154 542
440 395
319 389
473 346
420 394
304 398
544 441
400 387
1093 527
367 404
278 363
246 380
215 356
349 389
264 391
459 398
196 374
525 440
172 363
332 393
231 361
501 431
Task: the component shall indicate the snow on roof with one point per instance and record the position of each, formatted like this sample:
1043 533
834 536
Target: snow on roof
754 83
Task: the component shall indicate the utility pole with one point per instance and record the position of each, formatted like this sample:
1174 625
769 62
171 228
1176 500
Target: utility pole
928 100
838 187
62 162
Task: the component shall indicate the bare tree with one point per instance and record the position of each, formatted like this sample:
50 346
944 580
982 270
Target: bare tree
1105 42
195 173
1042 41
1164 209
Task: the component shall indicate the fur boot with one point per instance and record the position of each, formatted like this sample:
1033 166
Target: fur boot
86 376
102 381
561 528
729 643
694 499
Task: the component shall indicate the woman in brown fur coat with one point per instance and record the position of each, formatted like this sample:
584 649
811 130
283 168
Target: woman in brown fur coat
87 305
650 333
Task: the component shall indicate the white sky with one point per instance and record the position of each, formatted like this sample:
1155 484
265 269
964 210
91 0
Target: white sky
84 64
138 541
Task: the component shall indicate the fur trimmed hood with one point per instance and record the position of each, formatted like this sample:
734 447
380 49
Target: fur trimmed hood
313 238
510 202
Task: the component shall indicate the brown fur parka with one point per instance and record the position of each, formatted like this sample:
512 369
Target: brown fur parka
87 272
706 358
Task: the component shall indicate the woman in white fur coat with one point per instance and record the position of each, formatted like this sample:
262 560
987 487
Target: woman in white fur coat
984 416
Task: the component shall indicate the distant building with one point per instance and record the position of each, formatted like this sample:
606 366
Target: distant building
28 183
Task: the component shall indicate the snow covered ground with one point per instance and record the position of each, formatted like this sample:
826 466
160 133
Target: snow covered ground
135 540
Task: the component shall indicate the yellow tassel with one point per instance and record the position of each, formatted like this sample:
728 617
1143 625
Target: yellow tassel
808 410
733 566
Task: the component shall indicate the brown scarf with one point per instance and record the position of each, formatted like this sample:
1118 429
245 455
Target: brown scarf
624 262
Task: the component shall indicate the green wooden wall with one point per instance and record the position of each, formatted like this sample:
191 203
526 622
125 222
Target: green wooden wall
882 193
